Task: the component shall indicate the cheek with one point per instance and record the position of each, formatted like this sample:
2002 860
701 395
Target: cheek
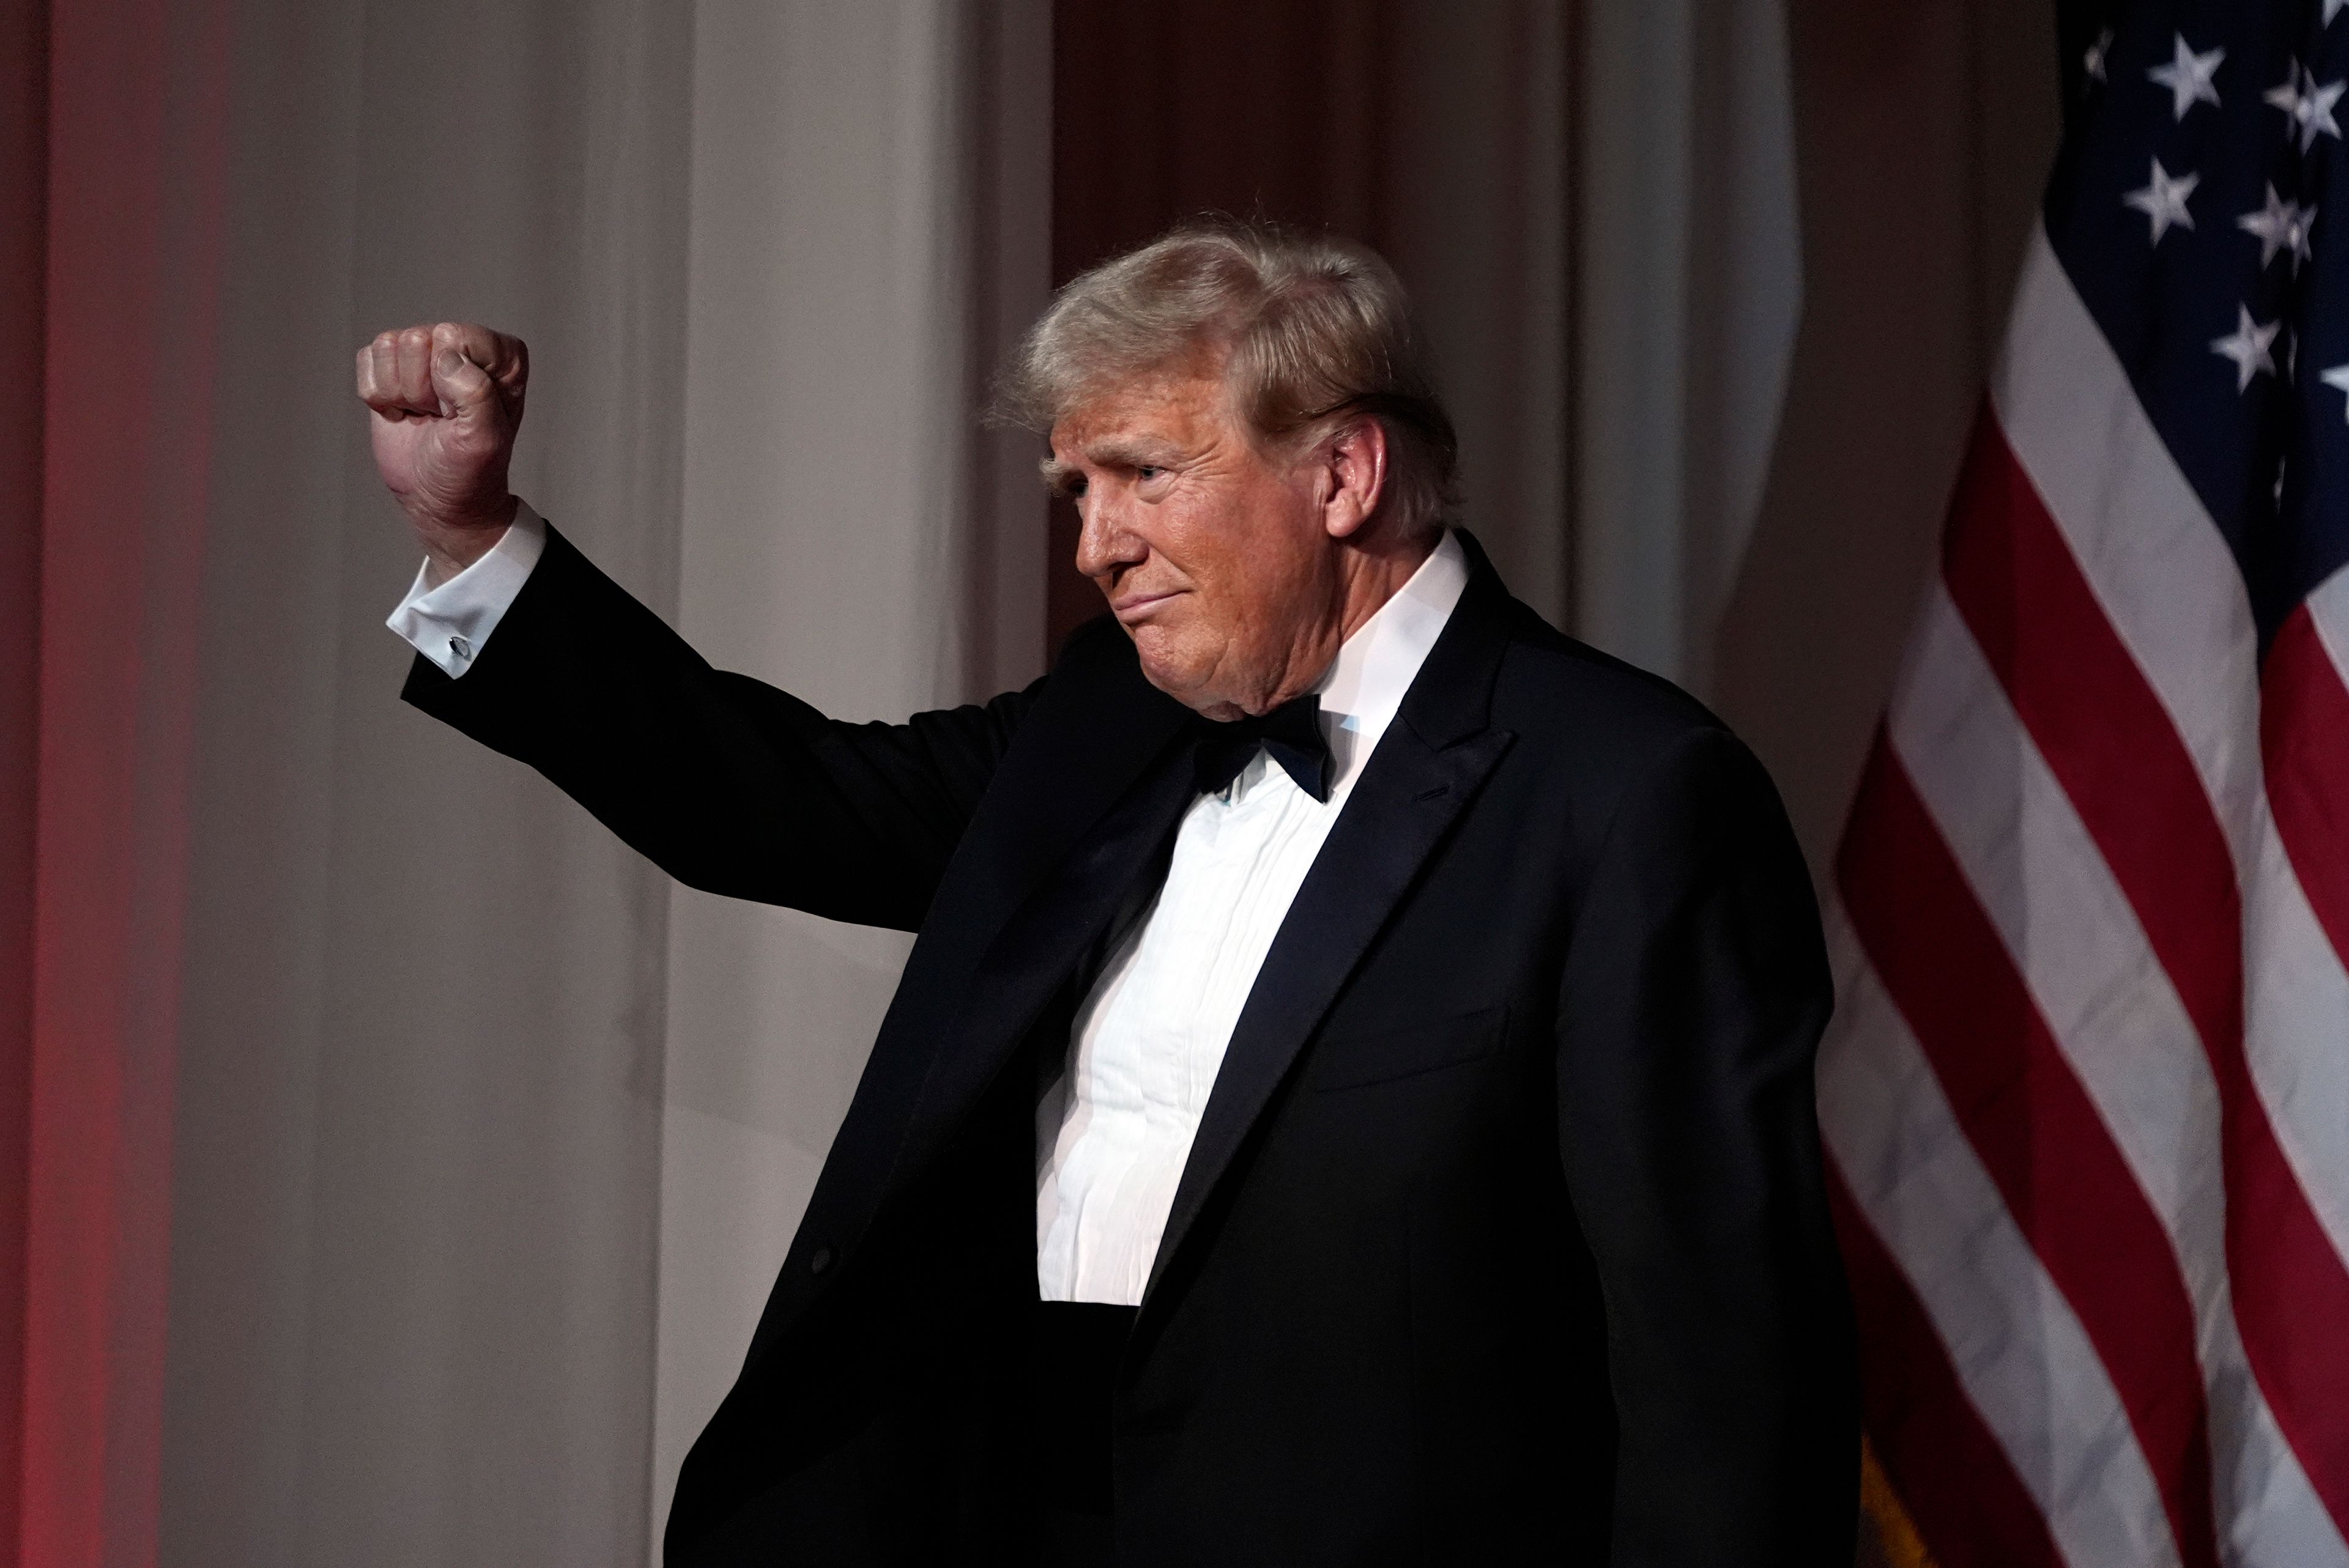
1262 568
1243 549
1215 543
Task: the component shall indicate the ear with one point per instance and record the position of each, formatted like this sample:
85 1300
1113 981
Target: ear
1354 473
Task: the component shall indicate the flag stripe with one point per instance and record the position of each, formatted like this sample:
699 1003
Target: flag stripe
2305 746
1959 1490
2034 1130
2101 729
2118 1022
2068 927
2108 738
2163 579
2169 583
2020 1355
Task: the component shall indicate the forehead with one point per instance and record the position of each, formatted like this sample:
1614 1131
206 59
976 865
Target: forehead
1183 406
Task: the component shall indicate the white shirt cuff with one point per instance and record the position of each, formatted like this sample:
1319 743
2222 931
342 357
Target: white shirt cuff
449 624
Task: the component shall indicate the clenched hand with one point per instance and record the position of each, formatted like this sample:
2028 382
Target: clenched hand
444 403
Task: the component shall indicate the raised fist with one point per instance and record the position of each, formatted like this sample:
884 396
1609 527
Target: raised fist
444 404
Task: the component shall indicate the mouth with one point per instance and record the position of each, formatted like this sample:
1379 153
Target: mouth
1135 606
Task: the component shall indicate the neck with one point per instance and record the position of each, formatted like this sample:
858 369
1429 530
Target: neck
1375 571
1369 572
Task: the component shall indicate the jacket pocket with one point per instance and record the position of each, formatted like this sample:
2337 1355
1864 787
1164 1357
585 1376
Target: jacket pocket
1381 1056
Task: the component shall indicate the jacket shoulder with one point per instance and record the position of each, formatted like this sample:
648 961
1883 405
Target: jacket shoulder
1603 744
1553 685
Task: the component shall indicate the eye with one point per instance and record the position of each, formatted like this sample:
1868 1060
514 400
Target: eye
1147 472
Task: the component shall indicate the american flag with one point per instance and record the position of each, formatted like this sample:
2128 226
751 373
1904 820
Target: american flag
2086 1097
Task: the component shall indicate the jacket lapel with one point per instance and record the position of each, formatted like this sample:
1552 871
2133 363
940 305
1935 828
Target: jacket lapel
1430 762
1040 946
1066 795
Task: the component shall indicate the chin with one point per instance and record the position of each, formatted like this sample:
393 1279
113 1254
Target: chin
1179 676
1169 675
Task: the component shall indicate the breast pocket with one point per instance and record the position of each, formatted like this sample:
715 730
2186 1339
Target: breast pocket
1381 1056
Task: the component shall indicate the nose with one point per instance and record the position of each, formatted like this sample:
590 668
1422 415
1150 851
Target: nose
1104 545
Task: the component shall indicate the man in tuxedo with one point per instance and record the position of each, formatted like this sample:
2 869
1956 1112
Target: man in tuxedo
1350 1099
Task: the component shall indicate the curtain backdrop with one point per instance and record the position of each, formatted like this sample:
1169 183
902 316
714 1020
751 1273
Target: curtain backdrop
138 151
1688 287
414 1196
391 1165
24 264
364 1069
1924 132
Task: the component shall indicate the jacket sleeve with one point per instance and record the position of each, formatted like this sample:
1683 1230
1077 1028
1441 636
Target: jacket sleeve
725 783
1695 991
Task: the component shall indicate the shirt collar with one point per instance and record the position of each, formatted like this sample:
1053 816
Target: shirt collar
1366 683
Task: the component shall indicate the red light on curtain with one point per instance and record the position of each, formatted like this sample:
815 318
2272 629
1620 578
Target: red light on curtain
137 143
24 261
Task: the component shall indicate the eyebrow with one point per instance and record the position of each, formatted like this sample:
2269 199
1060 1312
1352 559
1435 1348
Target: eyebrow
1109 454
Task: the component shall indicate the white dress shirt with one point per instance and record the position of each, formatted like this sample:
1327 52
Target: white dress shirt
1114 1132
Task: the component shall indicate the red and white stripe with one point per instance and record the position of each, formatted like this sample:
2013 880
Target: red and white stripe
2086 1095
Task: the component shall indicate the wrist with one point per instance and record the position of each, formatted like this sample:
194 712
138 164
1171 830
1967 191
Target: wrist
452 543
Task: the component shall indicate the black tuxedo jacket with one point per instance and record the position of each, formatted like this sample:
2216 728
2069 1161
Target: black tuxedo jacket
1503 1240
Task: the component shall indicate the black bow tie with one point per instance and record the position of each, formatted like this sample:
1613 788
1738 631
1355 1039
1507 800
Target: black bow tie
1290 733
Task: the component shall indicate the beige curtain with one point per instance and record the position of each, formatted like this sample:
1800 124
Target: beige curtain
416 1197
486 1141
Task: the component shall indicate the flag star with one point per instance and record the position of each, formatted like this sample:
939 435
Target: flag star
2317 112
2248 346
2287 97
2189 76
2338 377
2094 62
2308 104
2163 201
2281 226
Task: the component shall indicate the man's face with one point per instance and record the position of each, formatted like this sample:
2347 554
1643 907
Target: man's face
1215 556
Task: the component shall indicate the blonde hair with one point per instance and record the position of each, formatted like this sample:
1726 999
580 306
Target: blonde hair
1313 333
